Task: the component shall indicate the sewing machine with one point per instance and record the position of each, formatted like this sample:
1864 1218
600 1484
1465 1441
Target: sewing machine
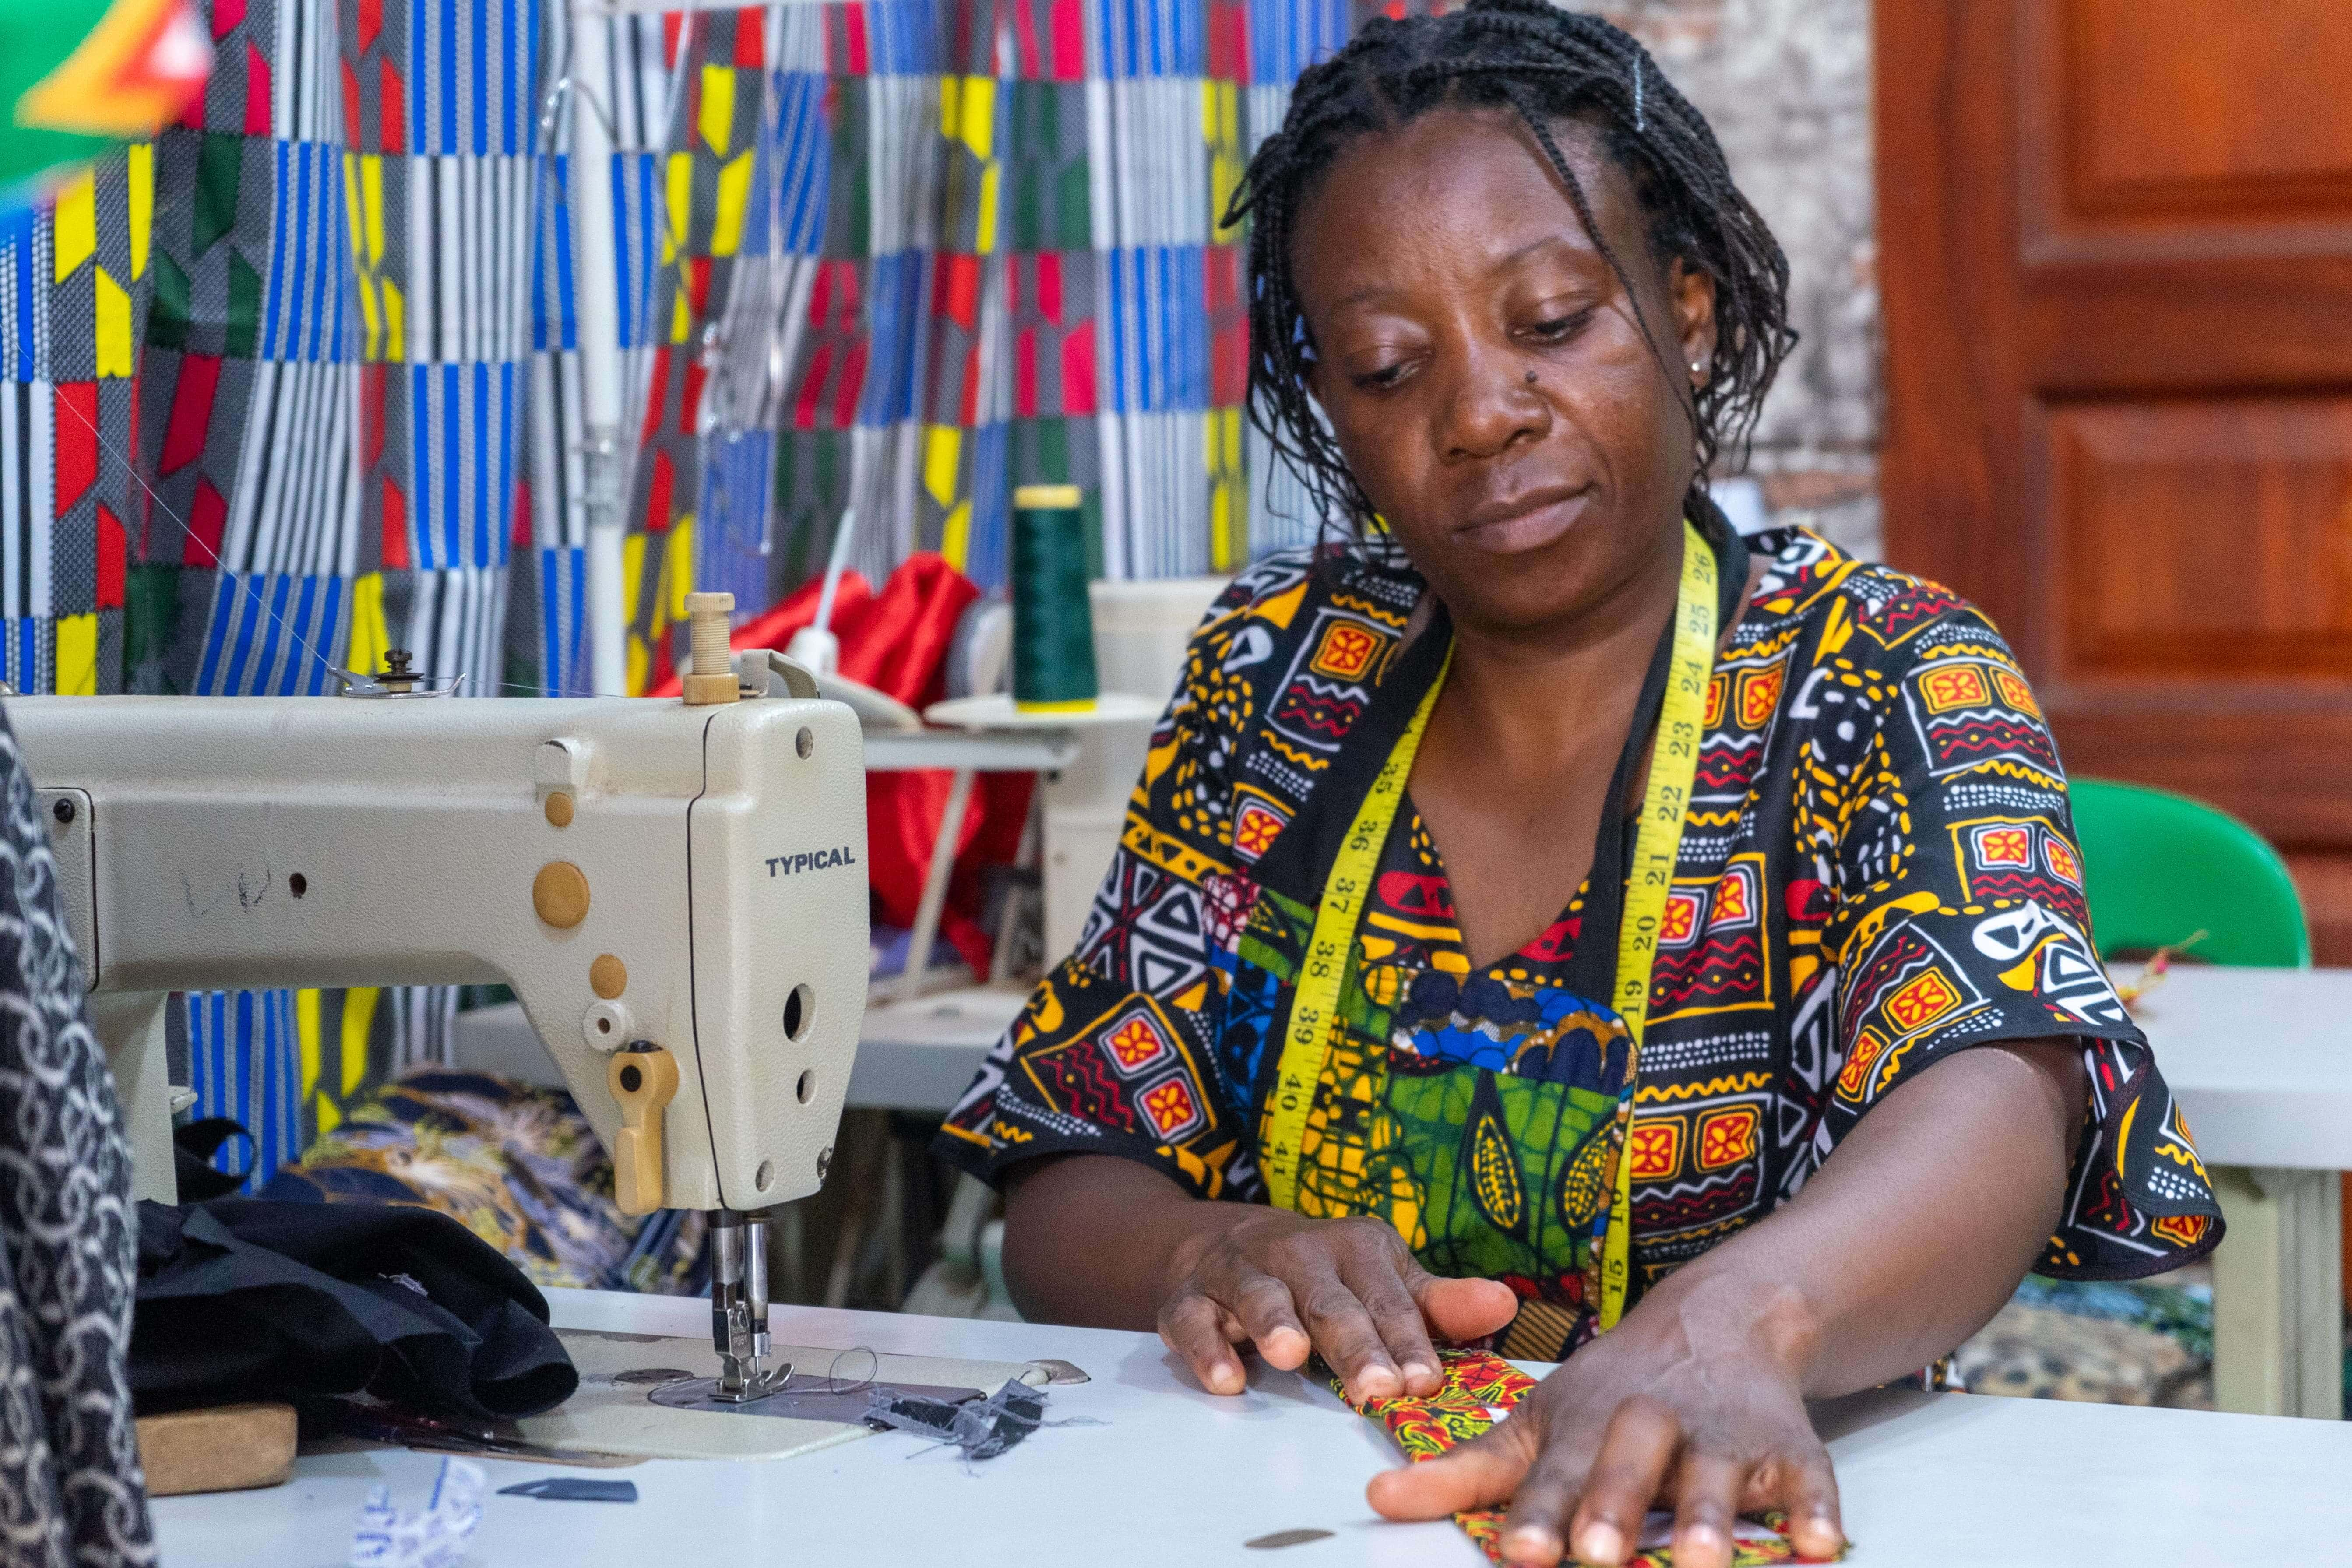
674 890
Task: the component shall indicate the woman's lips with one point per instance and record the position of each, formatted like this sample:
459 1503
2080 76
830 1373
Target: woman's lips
1526 526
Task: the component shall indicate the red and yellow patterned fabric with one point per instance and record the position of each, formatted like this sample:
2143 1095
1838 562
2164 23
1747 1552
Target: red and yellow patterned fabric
1878 870
1482 1388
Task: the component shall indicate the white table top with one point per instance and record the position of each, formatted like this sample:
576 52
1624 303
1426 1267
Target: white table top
2261 1059
1174 1475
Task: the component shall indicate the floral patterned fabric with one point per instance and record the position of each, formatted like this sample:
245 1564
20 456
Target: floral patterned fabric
1481 1389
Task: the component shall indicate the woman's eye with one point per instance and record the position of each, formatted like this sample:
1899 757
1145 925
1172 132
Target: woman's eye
1387 376
1557 329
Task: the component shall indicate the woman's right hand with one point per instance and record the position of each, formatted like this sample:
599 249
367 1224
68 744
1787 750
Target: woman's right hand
1348 1289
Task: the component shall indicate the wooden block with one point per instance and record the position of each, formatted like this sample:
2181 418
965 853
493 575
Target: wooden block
230 1447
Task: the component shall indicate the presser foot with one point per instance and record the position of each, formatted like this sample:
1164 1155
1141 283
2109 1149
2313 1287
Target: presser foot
742 1379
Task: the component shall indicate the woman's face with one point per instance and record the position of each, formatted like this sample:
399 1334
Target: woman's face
1485 371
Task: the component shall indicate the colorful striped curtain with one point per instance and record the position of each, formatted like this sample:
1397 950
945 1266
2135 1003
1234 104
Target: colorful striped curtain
299 380
921 252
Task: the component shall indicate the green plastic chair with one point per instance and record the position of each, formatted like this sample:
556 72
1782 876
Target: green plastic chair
2160 867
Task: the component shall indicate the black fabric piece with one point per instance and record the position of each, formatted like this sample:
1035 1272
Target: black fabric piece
193 1148
241 1298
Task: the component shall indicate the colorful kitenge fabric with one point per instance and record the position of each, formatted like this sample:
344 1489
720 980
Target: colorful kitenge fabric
517 1166
919 252
299 380
261 413
1877 869
1480 1389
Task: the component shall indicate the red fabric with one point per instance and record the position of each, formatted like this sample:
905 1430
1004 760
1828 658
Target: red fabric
897 642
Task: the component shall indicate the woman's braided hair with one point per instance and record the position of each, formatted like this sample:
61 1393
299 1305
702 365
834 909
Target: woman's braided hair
1546 64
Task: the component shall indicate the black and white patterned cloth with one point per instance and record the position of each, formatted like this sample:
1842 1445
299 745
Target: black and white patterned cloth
71 1488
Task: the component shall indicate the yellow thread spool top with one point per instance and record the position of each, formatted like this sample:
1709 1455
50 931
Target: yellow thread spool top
1048 498
713 679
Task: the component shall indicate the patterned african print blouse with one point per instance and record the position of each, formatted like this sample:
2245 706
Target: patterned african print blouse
1877 869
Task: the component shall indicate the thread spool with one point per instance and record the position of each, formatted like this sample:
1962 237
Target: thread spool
713 680
1053 624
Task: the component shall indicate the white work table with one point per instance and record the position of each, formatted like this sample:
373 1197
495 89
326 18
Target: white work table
1173 1475
2261 1059
2262 1062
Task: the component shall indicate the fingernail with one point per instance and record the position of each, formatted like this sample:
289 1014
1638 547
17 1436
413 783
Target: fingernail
1531 1543
1699 1537
1376 1382
1604 1542
1419 1372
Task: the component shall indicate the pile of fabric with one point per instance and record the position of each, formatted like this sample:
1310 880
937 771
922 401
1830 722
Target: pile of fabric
517 1166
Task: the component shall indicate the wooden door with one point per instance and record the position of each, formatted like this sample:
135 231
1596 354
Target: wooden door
2116 248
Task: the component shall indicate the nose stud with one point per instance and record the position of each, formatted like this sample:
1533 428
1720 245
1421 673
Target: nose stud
1531 378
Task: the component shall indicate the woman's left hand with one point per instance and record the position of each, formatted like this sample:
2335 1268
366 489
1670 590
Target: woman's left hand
1694 1403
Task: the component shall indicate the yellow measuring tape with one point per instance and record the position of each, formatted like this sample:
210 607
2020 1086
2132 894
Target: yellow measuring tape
1657 844
1315 999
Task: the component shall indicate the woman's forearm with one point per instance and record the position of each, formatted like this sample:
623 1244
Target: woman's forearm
1089 1238
1911 1234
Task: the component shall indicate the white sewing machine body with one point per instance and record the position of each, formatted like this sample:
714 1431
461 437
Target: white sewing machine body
639 870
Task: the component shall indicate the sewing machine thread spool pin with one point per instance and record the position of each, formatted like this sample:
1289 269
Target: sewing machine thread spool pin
607 1025
714 678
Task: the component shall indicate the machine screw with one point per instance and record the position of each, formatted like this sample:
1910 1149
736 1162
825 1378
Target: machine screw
63 811
823 1161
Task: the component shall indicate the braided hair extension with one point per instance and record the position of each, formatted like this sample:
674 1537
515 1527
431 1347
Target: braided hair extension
1545 64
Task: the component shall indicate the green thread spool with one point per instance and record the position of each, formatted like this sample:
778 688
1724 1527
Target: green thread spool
1052 623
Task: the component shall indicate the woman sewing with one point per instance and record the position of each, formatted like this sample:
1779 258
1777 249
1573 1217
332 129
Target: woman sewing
1548 915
